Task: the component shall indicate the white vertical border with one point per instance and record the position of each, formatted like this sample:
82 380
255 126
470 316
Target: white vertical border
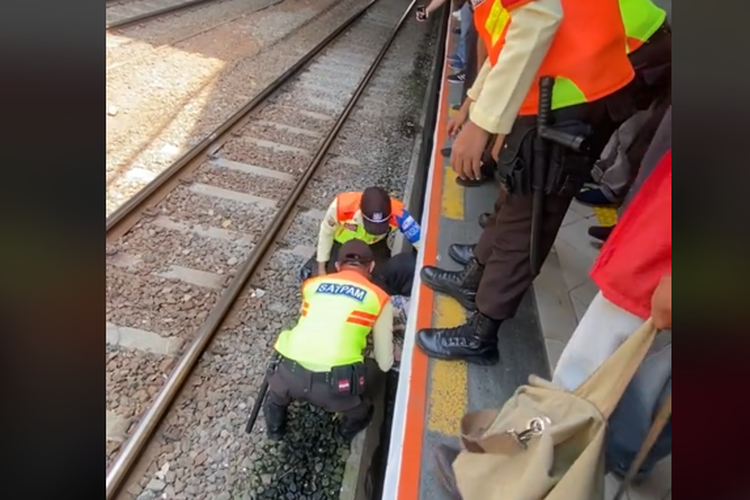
398 426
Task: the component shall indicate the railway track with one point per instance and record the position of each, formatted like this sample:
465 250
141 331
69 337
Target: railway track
126 13
162 42
180 254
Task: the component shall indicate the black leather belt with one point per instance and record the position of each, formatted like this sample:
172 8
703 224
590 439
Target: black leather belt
297 368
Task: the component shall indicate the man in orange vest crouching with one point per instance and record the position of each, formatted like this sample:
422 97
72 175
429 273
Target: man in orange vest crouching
321 357
371 216
580 48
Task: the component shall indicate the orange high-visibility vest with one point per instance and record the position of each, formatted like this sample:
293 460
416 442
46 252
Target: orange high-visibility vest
347 205
587 57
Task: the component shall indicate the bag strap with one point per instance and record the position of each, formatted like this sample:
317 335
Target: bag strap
662 417
605 387
473 427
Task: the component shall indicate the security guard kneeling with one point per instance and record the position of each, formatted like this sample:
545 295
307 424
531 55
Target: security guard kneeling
321 358
371 216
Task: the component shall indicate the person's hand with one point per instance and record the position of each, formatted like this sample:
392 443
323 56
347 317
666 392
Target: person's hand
661 303
422 13
455 123
321 268
467 149
497 146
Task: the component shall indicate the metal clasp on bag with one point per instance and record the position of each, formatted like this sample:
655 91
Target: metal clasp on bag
535 427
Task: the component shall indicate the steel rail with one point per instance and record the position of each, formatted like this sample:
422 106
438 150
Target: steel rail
165 398
155 13
309 171
138 200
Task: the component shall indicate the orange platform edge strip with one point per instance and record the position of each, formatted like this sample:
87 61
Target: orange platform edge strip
411 458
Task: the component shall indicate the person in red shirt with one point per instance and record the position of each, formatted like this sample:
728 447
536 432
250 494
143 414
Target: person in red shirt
634 276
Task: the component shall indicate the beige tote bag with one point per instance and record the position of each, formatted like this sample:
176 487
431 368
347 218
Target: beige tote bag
546 443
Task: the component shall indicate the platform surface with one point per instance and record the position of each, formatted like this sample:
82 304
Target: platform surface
433 394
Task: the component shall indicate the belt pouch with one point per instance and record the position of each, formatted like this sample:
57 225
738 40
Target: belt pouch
341 380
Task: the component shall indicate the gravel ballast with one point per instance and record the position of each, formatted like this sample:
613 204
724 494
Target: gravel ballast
201 451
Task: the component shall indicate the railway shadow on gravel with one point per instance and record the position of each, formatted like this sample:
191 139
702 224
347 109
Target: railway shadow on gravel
171 81
306 464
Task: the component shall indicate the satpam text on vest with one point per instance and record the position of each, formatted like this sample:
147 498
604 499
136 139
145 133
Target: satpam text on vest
354 292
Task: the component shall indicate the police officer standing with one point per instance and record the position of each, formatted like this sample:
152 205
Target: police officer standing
648 38
321 358
581 45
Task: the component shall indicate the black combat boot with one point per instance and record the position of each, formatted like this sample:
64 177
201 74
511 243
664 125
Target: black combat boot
275 419
474 342
461 285
484 219
601 233
348 429
461 253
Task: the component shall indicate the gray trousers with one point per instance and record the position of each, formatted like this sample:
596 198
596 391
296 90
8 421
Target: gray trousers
613 171
660 144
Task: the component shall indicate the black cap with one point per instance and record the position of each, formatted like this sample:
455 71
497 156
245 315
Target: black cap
355 252
376 210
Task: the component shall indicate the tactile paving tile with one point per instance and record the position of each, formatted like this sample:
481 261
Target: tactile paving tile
607 216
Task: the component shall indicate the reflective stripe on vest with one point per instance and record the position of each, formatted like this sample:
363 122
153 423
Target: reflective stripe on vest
641 19
586 57
338 311
347 207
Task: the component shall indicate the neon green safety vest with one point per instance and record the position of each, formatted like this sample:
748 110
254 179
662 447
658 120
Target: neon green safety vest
338 311
641 19
350 231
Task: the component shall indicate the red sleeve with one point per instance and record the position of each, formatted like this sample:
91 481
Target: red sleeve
639 251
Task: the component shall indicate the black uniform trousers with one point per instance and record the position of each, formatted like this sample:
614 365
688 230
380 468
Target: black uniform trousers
504 247
652 63
394 275
291 382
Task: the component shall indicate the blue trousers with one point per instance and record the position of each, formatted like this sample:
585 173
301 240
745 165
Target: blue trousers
467 18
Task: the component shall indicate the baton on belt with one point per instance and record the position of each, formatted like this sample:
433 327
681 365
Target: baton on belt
544 134
261 394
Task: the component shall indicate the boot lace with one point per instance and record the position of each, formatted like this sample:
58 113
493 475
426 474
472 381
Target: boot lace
456 337
453 276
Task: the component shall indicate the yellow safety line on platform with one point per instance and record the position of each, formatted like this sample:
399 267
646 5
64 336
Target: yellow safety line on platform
607 216
453 196
448 399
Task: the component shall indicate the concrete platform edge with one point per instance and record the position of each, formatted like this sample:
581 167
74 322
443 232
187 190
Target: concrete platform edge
353 486
417 178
